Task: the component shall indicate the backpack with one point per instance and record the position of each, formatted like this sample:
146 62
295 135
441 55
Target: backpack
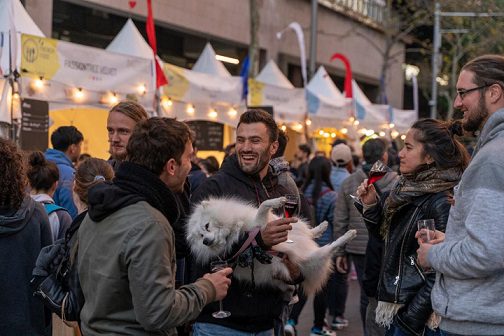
55 278
51 208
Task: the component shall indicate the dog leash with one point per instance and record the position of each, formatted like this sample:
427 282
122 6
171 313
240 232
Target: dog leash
250 241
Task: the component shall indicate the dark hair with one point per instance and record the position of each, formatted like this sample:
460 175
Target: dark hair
65 136
305 148
211 164
282 143
156 140
437 138
373 150
339 141
83 156
319 170
12 178
89 173
131 109
228 149
260 116
42 174
487 69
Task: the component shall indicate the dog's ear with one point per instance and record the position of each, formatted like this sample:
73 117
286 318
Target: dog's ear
205 204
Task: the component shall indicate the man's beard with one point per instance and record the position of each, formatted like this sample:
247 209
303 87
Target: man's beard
476 118
262 161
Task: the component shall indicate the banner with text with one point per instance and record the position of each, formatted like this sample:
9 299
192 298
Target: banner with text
63 66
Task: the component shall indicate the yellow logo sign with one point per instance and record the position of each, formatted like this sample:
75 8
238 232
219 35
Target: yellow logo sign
256 92
39 57
177 82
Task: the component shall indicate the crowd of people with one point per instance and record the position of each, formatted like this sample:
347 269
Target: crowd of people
101 244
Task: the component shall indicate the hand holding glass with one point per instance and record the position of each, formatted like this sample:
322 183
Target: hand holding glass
291 208
216 266
427 229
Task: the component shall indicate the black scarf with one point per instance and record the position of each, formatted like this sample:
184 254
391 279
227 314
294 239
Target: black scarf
132 184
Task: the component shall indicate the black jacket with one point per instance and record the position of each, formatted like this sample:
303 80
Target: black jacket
401 278
23 233
252 309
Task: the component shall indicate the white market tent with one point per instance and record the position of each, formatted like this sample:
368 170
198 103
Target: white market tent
207 63
327 107
207 92
14 20
272 88
129 41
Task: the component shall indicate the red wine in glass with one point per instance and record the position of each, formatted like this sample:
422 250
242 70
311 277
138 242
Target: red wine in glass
375 176
290 208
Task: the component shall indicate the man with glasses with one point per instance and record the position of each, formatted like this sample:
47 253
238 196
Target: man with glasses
469 262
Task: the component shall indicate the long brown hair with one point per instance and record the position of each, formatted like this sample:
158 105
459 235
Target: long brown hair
12 175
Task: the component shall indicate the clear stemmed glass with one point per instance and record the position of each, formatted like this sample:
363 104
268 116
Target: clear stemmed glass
291 208
216 266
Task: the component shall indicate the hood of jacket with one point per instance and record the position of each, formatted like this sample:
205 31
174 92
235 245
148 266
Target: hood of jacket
231 167
493 128
13 221
57 157
132 184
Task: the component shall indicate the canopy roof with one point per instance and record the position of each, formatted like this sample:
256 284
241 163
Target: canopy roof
272 75
207 63
130 41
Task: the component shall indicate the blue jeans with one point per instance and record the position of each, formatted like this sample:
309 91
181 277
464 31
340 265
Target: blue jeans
395 331
210 329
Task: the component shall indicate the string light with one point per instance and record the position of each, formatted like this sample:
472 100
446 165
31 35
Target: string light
298 127
166 102
344 130
212 114
190 109
333 135
38 84
394 134
403 137
321 132
356 122
382 134
308 122
78 95
232 112
113 99
142 89
283 128
391 125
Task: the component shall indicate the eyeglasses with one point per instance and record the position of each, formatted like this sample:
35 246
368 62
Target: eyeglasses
462 93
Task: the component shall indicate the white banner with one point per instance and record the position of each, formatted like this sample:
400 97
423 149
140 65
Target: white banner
288 104
196 87
63 67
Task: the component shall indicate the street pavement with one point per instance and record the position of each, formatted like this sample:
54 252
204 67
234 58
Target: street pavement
352 314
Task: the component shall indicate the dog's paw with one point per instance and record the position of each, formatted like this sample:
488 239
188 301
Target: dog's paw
348 236
275 203
318 230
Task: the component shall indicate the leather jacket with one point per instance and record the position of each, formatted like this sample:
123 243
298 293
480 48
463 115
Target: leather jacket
402 280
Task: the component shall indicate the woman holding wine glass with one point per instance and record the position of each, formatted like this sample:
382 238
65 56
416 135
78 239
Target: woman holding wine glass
431 164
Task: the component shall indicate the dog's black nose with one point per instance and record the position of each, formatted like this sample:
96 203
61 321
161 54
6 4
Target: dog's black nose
207 241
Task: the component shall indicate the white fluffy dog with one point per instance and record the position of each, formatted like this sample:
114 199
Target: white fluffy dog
217 224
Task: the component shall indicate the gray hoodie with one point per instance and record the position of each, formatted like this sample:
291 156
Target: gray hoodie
470 262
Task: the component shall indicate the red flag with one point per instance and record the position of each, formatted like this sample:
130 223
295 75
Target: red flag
151 36
348 75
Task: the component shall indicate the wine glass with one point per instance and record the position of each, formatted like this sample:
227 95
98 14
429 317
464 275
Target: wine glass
291 208
427 229
216 266
377 171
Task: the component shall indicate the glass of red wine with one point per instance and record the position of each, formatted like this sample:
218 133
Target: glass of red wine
291 208
216 266
378 170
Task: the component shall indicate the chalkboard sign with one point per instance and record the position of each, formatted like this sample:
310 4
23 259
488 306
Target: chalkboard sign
34 124
209 134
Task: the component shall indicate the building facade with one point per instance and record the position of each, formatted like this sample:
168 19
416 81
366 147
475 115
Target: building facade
184 26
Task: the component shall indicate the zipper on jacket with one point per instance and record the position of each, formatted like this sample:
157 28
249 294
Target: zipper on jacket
413 217
45 296
413 263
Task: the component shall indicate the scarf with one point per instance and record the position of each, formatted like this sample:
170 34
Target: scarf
428 180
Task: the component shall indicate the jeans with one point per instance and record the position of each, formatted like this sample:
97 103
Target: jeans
395 331
373 328
210 329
